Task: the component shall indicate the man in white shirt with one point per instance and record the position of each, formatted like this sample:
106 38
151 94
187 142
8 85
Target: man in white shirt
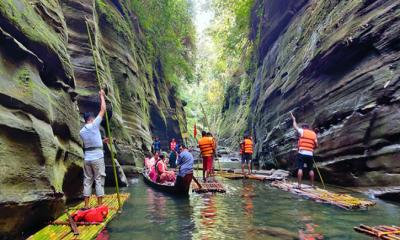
94 167
306 146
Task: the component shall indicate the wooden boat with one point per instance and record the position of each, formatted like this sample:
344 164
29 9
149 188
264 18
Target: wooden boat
169 188
61 229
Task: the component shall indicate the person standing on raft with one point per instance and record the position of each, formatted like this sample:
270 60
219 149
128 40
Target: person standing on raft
94 167
241 151
247 153
207 149
306 146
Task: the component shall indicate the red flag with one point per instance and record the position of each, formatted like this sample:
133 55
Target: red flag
195 131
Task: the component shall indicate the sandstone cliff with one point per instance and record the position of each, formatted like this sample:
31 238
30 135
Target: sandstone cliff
47 78
336 65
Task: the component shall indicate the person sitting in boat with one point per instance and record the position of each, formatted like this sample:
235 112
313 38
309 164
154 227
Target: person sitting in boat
185 166
149 162
152 164
163 175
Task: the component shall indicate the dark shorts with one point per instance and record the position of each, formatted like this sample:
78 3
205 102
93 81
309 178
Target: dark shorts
246 158
304 162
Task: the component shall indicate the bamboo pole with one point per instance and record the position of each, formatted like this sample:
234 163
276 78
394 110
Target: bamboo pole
106 115
319 173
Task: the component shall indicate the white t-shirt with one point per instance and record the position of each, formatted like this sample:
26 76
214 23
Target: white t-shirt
91 137
304 152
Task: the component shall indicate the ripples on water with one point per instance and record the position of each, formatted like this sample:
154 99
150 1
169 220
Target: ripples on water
249 210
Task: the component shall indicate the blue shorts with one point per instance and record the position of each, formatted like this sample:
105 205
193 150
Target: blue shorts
246 158
304 162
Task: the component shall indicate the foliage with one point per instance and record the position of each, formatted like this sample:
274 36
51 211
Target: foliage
231 26
170 35
220 65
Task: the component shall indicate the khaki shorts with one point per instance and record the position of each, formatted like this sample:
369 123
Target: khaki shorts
94 171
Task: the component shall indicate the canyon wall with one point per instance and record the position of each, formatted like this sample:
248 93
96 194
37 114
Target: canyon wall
335 64
48 78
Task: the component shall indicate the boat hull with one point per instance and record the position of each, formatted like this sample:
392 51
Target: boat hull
183 190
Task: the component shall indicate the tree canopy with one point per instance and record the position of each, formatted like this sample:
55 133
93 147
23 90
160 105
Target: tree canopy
170 35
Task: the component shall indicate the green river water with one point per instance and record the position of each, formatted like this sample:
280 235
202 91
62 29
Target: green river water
249 210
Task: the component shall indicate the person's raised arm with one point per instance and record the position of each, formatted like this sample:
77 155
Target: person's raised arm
103 107
295 126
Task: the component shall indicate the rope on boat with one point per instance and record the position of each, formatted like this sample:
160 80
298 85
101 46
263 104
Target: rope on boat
106 115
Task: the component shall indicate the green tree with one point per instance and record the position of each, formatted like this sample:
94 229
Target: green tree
170 35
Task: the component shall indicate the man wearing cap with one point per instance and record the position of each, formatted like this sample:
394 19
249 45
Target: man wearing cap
94 168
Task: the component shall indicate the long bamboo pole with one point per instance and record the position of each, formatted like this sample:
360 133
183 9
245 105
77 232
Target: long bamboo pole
106 115
319 173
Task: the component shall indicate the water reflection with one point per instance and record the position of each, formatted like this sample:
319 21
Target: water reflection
156 206
208 214
104 235
250 210
248 195
185 224
309 230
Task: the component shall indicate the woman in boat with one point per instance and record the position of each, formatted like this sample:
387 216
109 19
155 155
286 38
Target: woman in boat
149 162
163 174
152 166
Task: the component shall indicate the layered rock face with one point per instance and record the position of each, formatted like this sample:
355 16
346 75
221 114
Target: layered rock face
335 64
47 78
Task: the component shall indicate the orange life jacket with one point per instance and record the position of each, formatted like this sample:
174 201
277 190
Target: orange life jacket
93 215
308 141
241 148
207 146
248 146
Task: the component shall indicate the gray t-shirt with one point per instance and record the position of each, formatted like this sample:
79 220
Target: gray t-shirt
91 137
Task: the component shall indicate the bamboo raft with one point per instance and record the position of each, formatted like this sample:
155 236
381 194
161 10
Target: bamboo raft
344 201
208 187
61 229
380 232
235 176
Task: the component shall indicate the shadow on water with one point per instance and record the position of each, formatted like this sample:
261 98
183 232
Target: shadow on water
249 210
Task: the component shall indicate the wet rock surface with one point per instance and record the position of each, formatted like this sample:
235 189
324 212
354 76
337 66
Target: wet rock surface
335 64
388 193
47 79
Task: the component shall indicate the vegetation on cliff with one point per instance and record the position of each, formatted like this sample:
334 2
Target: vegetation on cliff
223 48
170 36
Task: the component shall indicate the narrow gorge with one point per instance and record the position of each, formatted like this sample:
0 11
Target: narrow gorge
335 65
48 78
176 67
